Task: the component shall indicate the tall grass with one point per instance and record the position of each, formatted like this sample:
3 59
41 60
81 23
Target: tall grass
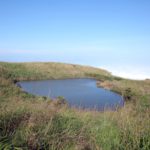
43 125
31 122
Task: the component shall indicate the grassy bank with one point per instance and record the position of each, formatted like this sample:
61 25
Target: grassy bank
35 71
31 122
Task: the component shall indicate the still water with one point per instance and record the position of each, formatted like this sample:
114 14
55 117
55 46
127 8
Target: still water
81 93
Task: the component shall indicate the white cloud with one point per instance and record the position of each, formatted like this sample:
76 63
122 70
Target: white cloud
137 73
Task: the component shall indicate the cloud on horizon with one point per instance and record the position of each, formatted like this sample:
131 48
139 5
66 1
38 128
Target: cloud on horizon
129 72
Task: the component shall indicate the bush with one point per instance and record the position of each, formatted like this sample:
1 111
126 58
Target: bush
128 94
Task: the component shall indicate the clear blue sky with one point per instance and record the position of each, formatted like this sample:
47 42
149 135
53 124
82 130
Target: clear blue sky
113 34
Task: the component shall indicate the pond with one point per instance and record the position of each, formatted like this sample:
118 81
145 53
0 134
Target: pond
81 93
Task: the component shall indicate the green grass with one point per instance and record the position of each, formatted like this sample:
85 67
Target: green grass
32 122
34 71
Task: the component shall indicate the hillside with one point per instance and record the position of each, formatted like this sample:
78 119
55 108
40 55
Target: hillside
32 122
33 71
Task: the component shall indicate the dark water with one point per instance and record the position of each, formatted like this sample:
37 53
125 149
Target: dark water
78 92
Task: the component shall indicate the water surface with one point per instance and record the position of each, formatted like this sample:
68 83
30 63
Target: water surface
78 92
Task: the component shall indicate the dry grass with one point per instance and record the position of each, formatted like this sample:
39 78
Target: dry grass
34 123
30 122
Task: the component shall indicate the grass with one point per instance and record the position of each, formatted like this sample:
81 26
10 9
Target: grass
131 90
35 71
32 122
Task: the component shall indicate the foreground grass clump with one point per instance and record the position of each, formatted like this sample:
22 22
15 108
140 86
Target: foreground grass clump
43 125
31 122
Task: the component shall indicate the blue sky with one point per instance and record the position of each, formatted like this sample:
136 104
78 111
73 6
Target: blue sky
112 34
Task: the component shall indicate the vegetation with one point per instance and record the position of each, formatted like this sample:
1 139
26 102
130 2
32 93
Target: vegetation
32 122
35 71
